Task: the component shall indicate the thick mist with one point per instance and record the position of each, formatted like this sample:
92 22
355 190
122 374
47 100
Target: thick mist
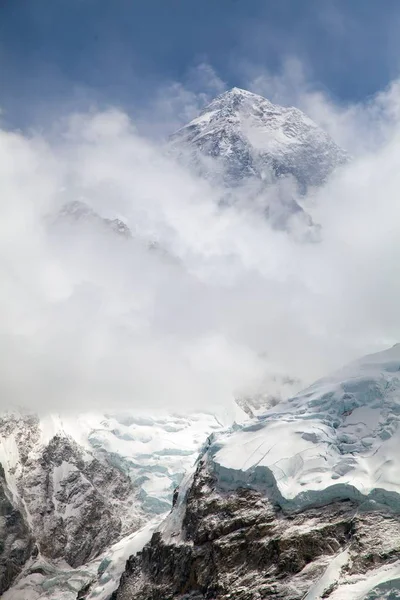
223 305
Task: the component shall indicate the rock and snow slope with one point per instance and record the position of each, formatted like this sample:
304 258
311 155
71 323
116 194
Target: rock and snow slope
302 503
46 580
73 486
243 143
75 502
251 137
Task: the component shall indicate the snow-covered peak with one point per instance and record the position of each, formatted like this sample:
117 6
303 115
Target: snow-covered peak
78 212
252 137
240 105
237 100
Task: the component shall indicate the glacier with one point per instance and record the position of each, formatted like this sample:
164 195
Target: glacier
337 439
89 490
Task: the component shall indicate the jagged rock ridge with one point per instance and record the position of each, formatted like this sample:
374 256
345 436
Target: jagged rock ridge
76 504
16 539
79 211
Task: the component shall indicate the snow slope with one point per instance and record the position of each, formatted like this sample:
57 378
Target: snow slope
154 452
337 439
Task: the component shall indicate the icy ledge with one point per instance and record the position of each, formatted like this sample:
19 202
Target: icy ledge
339 439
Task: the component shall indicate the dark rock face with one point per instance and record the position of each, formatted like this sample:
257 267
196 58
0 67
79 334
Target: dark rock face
16 541
238 545
78 504
78 521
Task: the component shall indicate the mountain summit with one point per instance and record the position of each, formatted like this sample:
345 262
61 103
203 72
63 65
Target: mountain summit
252 138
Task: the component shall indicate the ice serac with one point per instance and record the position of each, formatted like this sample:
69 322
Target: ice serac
301 504
245 142
337 439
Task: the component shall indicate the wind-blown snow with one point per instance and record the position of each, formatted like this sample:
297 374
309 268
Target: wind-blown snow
339 438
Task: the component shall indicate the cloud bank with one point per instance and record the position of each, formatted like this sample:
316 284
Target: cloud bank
89 319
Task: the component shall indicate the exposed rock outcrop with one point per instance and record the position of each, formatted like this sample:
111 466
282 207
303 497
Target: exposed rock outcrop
237 544
76 503
16 541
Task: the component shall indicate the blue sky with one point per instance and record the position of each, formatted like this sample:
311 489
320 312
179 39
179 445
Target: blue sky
65 54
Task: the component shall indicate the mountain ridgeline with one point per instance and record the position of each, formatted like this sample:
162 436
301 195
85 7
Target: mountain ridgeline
244 143
248 136
292 500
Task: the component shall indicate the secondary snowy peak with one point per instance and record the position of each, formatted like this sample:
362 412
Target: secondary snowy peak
252 137
78 212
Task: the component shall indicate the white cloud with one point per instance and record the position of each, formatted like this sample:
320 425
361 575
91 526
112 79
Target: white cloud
91 320
358 127
175 103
